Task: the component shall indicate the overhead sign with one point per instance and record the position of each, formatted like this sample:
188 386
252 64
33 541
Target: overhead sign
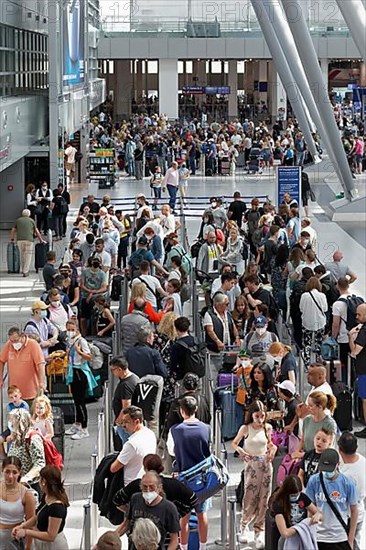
73 43
223 90
193 90
289 181
210 90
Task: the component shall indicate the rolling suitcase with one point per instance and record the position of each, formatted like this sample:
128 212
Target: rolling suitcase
59 429
334 371
40 255
13 258
225 166
224 379
61 397
225 399
343 412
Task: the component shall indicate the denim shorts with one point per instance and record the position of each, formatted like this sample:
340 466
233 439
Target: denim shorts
361 384
204 506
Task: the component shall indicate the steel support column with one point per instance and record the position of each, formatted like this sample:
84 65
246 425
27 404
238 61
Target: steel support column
355 17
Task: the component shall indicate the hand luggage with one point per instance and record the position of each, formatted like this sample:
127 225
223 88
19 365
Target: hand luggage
224 379
13 258
116 287
59 429
60 396
40 255
206 478
272 534
289 466
229 359
225 166
329 349
225 399
193 541
343 412
334 371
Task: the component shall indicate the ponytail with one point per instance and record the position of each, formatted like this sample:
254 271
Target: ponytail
331 403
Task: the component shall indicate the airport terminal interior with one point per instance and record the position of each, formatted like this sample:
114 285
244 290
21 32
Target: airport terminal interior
222 145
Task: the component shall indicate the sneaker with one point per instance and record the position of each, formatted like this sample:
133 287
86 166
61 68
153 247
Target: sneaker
244 536
81 434
361 434
73 430
258 540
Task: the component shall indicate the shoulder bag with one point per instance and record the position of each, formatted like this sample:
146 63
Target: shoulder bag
332 506
316 303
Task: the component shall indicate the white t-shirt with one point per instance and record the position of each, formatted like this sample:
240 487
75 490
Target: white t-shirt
340 310
70 153
313 306
138 445
325 388
104 257
207 320
357 472
151 282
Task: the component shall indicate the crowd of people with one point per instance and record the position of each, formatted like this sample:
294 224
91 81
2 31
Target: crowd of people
272 306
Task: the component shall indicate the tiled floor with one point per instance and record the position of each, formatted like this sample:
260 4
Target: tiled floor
16 295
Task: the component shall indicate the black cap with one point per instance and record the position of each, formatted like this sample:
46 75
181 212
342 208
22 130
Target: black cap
142 240
328 460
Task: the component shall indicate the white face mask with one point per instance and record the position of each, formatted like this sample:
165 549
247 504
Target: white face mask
56 303
245 362
260 331
70 334
17 345
150 496
306 242
277 358
214 204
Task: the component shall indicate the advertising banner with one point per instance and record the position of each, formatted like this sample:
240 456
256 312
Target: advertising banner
73 43
289 181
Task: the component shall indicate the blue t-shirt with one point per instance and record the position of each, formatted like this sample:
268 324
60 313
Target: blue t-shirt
343 493
191 444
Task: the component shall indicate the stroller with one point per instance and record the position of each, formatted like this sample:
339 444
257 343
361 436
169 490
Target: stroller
255 162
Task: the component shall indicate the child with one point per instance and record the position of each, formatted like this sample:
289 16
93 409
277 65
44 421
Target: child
323 440
15 402
258 454
42 420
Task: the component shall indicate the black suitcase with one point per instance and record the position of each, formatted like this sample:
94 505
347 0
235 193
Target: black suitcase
13 258
116 287
59 429
343 412
40 255
272 534
61 397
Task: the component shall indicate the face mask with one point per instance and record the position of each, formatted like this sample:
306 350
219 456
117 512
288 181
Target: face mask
260 331
70 334
56 303
95 265
17 346
277 358
43 314
213 204
330 475
245 362
306 242
105 236
294 498
150 496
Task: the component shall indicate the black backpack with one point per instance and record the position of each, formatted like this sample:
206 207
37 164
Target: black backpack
352 304
195 360
116 289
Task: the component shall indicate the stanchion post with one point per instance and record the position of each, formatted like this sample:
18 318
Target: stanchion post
301 374
217 432
101 438
107 417
114 343
93 506
232 523
223 507
2 408
87 526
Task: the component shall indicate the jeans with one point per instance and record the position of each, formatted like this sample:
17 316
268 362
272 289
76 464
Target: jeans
172 190
162 165
58 225
300 157
130 166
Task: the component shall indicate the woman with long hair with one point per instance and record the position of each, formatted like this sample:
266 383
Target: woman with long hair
47 525
30 199
262 387
105 322
286 362
165 336
233 250
258 453
17 502
240 315
289 506
138 290
319 406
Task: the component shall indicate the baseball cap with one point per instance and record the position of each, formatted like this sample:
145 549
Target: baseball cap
142 240
328 460
244 353
287 385
38 304
260 321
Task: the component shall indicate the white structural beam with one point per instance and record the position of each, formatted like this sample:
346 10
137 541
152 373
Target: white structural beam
354 14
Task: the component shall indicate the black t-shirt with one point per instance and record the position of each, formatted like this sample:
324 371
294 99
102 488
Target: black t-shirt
164 515
288 364
203 411
237 209
361 357
309 464
124 390
46 511
175 491
94 207
290 413
48 273
298 509
263 295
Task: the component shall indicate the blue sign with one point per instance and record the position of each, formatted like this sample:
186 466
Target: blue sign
289 181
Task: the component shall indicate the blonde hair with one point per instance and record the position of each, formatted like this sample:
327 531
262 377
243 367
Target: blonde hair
138 291
320 399
278 347
21 422
47 405
167 327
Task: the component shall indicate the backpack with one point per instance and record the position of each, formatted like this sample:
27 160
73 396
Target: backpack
116 289
352 304
330 349
137 257
63 206
57 364
252 219
257 237
97 360
195 360
289 466
185 258
52 456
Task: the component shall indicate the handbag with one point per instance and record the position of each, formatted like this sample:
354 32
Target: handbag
280 439
206 478
312 196
332 505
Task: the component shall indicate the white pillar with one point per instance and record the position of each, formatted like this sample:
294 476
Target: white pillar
233 83
324 65
123 88
168 87
363 75
277 96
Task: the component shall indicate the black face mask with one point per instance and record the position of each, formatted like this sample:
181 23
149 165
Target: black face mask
95 265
